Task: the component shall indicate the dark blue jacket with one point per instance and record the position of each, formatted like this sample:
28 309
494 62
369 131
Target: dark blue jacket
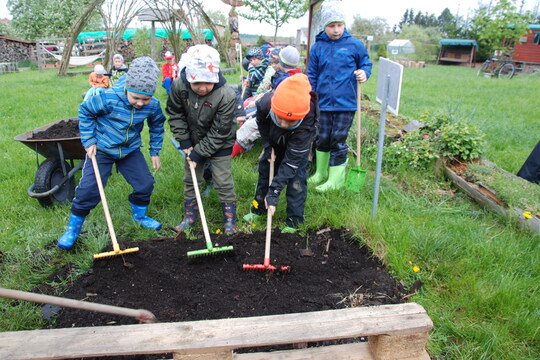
114 125
331 70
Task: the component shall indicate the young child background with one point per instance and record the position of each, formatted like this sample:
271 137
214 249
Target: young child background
201 110
337 61
287 119
110 125
258 64
169 71
118 69
97 80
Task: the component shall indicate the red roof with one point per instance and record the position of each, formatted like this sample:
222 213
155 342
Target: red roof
17 40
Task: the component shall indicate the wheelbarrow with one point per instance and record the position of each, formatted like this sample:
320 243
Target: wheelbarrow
54 181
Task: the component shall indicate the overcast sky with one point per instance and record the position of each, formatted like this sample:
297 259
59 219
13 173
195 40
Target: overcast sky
391 10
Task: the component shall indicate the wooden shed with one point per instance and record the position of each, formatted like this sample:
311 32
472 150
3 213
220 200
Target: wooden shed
457 51
527 48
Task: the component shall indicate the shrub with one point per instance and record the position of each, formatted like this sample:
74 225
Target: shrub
414 149
460 140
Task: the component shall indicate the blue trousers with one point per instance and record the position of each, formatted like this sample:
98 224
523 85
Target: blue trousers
133 168
167 82
334 127
296 191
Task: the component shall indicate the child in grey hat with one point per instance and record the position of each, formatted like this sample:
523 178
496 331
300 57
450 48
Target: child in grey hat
201 112
110 125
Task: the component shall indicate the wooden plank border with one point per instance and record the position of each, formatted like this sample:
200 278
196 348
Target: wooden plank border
395 332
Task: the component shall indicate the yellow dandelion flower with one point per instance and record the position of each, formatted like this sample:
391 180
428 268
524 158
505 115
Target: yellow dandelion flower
415 268
527 215
255 204
253 225
218 231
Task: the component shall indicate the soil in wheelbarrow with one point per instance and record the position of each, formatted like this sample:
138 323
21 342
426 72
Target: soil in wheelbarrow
68 128
162 279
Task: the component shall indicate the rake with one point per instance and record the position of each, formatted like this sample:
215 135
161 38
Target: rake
210 249
116 248
266 263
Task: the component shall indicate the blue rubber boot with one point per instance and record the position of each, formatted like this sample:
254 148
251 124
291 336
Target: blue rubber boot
229 217
138 213
72 233
191 216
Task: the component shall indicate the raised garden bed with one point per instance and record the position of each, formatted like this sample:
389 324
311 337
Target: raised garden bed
339 273
499 191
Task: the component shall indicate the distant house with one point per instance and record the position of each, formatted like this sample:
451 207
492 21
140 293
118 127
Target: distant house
401 47
527 48
457 51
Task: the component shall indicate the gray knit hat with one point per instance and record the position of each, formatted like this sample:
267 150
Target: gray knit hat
289 57
142 76
331 11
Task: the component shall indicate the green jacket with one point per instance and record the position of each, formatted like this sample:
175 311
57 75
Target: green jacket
206 123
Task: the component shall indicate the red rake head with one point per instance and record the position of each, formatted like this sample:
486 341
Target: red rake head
263 267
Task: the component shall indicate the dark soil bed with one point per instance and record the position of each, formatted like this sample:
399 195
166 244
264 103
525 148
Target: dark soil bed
162 279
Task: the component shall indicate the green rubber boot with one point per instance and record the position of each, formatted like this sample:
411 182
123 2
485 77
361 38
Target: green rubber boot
336 179
322 159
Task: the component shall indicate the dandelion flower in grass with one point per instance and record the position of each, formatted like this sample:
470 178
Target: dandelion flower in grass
255 204
415 268
527 215
218 231
253 224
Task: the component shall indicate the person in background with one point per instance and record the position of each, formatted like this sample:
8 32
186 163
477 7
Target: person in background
337 61
288 61
258 64
169 71
98 81
110 125
201 110
287 119
118 69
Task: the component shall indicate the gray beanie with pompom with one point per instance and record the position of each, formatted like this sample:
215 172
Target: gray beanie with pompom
142 76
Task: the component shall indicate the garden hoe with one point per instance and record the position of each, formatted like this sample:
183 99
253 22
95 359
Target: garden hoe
266 264
357 176
142 315
116 249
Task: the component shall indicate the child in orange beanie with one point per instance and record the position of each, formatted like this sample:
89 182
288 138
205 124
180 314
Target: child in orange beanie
288 119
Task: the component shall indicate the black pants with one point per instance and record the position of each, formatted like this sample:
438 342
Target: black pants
530 170
296 192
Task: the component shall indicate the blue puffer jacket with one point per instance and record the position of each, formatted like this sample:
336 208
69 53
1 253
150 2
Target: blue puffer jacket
331 70
111 122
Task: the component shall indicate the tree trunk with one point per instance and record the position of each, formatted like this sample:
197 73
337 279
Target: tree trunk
74 33
222 44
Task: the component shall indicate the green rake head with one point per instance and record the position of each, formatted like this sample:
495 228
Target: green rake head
223 250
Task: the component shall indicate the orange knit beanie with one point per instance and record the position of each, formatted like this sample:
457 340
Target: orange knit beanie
291 100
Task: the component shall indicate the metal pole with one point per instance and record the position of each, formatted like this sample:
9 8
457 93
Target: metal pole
380 146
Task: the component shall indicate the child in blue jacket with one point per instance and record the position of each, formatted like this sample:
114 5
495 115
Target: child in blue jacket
110 125
336 62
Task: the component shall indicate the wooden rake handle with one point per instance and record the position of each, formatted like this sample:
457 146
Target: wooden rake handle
116 248
358 122
269 216
199 202
140 314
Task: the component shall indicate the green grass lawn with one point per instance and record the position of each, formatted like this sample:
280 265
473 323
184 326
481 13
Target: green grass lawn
480 272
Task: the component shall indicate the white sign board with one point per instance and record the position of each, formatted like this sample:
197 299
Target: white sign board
395 52
369 38
389 84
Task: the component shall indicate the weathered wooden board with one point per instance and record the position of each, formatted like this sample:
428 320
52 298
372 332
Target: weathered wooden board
396 323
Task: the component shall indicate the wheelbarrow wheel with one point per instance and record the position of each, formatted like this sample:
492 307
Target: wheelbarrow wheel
48 175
